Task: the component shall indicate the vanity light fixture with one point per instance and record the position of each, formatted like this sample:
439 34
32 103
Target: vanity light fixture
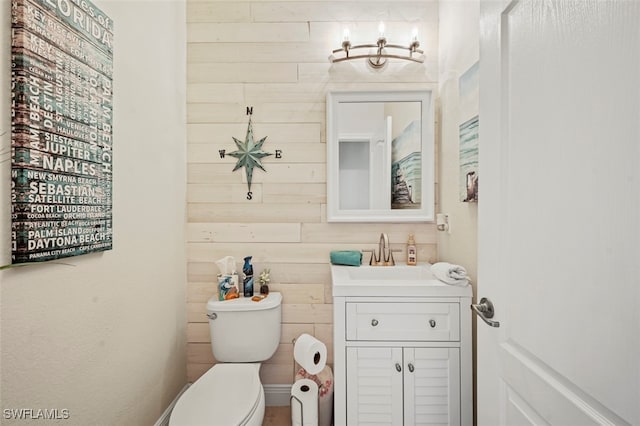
377 58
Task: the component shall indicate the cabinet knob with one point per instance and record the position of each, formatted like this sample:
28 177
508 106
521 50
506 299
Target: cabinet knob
432 323
398 367
374 322
411 368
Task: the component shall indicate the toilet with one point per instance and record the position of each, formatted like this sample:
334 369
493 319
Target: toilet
243 334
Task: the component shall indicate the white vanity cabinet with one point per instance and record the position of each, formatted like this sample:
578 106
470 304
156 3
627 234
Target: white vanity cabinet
403 360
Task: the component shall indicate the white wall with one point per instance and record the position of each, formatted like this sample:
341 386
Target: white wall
105 335
459 50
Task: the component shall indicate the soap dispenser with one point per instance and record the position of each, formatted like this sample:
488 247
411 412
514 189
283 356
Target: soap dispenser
412 257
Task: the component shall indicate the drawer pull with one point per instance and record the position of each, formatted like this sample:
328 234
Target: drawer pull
398 367
411 368
432 323
374 322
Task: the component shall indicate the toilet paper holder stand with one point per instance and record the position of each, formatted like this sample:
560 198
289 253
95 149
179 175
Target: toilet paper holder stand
292 397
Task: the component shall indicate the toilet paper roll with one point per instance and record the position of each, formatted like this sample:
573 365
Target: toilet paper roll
324 379
310 353
304 403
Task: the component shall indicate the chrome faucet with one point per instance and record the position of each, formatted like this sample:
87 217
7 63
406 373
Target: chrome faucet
384 257
384 251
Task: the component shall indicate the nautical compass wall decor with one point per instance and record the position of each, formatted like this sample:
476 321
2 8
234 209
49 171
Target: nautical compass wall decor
249 154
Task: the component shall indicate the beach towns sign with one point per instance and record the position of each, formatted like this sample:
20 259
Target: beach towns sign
62 109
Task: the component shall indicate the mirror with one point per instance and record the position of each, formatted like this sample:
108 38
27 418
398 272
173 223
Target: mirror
380 156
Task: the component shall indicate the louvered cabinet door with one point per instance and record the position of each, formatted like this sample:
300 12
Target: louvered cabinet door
374 386
432 386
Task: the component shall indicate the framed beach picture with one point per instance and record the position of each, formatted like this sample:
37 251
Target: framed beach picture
468 133
469 160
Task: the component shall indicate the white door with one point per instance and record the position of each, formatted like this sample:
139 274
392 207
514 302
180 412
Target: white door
559 213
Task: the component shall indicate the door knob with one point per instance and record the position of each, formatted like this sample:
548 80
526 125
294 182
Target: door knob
485 311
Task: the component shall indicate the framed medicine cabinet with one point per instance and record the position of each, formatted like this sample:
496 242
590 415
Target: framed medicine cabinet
380 156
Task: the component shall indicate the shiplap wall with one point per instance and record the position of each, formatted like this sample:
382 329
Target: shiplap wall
272 55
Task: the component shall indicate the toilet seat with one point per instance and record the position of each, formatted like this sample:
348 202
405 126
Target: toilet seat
227 394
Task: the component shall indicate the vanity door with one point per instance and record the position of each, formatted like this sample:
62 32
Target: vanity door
403 386
374 386
431 386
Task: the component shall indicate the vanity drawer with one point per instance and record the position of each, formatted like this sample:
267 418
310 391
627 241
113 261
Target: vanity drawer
403 321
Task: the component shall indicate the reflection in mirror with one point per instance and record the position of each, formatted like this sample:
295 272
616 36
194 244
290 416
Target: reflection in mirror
354 173
380 156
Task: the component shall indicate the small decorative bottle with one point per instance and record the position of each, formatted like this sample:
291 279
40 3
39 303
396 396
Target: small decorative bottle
247 282
412 257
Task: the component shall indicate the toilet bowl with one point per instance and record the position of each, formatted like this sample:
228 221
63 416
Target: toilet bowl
227 394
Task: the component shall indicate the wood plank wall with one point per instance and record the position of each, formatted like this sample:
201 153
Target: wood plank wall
272 55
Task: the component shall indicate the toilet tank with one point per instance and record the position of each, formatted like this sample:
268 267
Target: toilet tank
243 330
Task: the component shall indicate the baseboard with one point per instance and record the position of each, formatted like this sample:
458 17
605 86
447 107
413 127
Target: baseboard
164 418
277 395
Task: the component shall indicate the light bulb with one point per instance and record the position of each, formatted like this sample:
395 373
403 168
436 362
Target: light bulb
345 34
414 34
381 29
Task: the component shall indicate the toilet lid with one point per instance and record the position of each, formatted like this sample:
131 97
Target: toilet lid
225 395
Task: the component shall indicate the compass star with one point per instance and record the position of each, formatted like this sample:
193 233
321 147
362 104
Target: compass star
249 153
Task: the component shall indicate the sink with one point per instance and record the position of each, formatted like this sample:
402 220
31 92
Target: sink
404 280
386 273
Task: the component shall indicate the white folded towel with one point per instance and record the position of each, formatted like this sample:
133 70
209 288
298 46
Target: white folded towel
450 274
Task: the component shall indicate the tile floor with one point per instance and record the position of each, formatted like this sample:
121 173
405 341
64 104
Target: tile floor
277 416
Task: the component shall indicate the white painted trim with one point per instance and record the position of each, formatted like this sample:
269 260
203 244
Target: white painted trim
277 395
164 418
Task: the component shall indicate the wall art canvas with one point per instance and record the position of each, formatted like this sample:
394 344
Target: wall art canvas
468 133
62 112
469 160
